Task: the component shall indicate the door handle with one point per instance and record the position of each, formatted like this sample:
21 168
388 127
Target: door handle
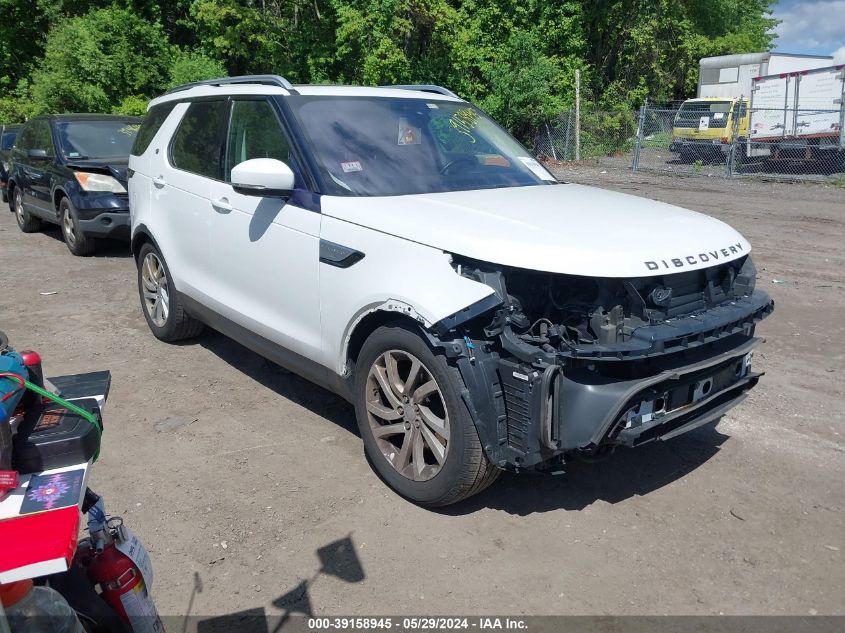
159 181
222 205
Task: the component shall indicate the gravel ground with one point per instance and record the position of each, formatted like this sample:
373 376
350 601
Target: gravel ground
236 473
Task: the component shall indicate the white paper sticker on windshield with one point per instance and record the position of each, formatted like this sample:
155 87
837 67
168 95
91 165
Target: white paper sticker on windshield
351 165
432 106
718 115
536 168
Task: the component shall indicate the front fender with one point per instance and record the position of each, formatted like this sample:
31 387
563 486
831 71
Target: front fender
394 275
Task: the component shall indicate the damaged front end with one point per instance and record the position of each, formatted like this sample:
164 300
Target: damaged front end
561 365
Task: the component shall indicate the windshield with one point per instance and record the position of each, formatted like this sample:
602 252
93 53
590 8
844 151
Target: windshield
703 114
387 146
704 107
97 139
8 139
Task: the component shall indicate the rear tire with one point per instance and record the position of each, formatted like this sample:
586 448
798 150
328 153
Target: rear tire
76 241
160 301
427 447
26 221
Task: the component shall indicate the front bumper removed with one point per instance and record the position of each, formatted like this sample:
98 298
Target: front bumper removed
542 414
679 398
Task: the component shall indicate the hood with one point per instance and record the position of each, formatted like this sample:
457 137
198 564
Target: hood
571 229
114 166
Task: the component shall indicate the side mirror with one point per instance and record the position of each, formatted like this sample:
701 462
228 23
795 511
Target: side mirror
264 177
37 154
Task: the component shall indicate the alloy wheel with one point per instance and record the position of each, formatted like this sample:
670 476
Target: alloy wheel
19 212
407 415
155 289
67 227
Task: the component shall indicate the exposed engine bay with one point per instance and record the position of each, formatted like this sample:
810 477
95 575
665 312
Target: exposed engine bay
601 317
560 365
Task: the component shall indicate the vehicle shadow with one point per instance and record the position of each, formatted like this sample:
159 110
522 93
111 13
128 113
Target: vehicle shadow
624 474
105 248
286 384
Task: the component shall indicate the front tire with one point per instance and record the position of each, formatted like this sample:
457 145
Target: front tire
76 241
160 301
26 222
416 429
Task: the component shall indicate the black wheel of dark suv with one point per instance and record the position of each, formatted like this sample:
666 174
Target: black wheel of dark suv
416 429
160 301
26 221
76 241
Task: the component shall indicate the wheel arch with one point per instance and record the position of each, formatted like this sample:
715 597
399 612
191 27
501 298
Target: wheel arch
368 323
140 236
58 194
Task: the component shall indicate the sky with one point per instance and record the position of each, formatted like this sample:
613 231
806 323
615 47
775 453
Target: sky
814 27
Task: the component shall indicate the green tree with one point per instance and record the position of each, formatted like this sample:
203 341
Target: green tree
186 67
523 84
94 61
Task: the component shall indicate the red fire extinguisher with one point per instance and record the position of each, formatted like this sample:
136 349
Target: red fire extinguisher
117 563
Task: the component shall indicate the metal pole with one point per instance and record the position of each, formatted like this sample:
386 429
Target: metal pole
551 142
566 153
737 111
577 114
639 142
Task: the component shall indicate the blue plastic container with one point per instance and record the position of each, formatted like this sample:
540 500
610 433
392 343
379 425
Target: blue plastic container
13 363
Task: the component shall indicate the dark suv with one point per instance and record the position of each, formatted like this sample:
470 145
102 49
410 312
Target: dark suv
8 133
70 169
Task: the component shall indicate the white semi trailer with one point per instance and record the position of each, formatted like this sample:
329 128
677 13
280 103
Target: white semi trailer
731 75
798 114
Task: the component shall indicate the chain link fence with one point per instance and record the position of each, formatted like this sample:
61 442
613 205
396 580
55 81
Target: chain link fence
604 136
703 138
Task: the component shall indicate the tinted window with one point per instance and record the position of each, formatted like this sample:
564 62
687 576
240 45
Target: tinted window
42 138
254 132
152 122
199 142
110 138
8 139
24 141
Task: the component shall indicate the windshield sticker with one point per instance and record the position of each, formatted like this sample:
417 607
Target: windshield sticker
432 106
536 168
408 134
495 160
718 115
464 121
351 165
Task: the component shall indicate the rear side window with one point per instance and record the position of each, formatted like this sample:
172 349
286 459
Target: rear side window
199 143
8 139
153 120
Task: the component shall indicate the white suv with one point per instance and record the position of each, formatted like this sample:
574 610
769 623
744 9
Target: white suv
399 248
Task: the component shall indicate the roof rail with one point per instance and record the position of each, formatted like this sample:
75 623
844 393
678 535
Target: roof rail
426 88
266 80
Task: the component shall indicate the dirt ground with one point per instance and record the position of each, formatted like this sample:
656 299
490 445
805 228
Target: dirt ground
235 474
